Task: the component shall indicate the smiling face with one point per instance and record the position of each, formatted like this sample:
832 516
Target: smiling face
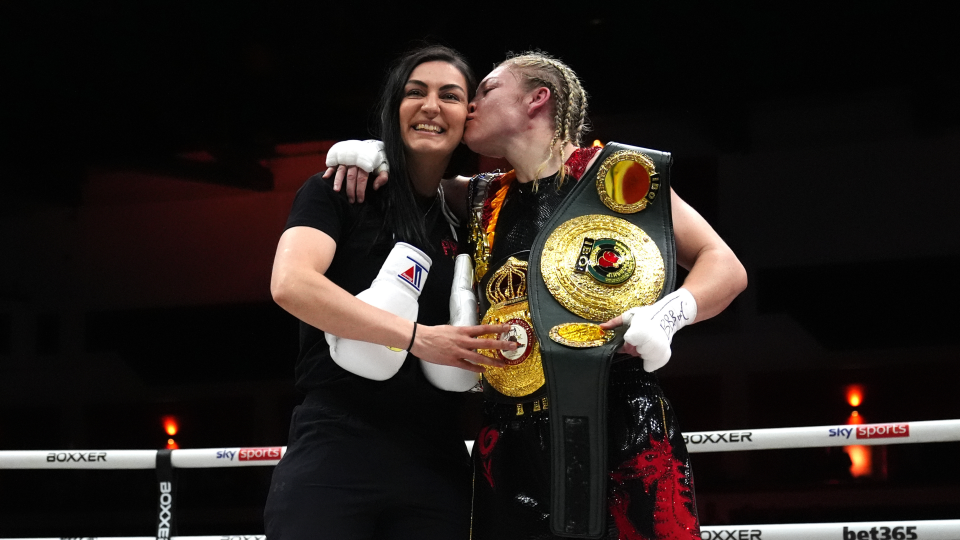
497 113
433 110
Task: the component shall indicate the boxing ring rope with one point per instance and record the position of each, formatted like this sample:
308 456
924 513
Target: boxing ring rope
164 461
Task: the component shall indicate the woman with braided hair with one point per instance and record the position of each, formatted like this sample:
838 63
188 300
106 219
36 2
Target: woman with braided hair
531 111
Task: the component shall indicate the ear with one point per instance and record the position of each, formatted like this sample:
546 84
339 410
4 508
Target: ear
538 100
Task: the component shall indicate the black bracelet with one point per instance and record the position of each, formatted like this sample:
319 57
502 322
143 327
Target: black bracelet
413 337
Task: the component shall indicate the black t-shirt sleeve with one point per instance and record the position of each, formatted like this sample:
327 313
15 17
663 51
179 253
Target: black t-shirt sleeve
318 206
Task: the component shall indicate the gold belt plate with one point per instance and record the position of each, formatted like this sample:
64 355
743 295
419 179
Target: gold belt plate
580 282
507 293
523 374
580 335
627 181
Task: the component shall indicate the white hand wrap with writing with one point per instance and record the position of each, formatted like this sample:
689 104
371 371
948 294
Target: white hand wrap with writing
396 289
651 328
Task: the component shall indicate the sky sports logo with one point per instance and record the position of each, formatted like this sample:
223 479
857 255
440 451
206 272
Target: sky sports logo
259 454
872 431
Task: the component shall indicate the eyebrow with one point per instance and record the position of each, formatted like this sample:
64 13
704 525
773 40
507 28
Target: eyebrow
444 87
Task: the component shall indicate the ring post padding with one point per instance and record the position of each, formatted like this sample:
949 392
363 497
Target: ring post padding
166 509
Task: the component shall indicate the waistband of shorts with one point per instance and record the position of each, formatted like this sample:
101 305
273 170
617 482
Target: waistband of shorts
522 409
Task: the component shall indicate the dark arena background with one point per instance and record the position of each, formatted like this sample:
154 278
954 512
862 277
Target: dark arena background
151 151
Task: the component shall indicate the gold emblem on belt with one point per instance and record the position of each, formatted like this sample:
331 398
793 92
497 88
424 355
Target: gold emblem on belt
580 335
507 293
627 181
599 266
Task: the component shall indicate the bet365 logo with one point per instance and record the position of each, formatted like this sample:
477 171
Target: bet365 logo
881 533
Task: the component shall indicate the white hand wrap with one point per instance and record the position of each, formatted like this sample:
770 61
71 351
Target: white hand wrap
395 289
463 312
652 327
368 155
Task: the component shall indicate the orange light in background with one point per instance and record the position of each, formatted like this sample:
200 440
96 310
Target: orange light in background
597 143
170 425
861 460
854 395
861 457
172 445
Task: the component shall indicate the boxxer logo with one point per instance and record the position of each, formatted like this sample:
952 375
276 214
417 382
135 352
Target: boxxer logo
714 438
166 501
66 457
733 534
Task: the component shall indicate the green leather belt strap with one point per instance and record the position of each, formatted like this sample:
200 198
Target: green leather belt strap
577 378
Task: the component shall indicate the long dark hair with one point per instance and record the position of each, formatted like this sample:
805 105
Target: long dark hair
402 216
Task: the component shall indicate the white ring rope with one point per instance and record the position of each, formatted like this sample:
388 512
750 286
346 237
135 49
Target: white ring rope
700 441
823 436
947 529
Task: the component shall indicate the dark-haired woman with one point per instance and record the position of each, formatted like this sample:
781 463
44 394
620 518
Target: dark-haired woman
375 450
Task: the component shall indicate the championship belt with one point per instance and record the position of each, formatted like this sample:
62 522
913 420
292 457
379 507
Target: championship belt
607 248
506 291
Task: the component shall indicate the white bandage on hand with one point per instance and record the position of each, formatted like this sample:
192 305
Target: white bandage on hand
463 312
396 289
368 155
651 328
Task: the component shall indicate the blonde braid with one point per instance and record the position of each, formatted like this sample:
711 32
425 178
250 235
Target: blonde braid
570 100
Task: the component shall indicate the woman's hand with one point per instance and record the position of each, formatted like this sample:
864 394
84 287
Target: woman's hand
456 345
356 180
650 329
354 161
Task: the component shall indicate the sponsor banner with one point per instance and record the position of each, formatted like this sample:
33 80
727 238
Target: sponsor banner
908 532
870 431
883 431
165 513
897 530
719 437
731 533
706 441
227 457
823 436
271 453
78 459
